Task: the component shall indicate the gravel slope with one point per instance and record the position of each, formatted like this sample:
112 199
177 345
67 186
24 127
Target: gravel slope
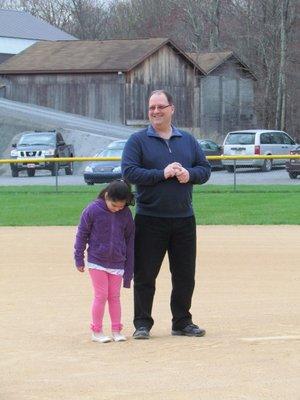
87 135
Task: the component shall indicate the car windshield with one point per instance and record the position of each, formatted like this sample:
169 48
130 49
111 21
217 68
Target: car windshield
37 139
117 144
204 144
241 138
111 153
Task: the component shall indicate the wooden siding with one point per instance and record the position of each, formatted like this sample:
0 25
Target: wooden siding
162 70
164 67
137 103
226 104
95 96
231 68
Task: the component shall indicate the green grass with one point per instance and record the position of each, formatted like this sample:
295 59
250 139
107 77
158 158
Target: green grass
214 205
249 205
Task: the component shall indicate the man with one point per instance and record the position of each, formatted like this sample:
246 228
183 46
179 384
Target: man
164 163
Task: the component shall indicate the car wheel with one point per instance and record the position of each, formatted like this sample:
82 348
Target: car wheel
229 168
30 172
69 169
267 165
293 175
14 173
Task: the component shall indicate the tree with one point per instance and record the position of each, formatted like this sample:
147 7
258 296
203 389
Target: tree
55 12
262 34
88 19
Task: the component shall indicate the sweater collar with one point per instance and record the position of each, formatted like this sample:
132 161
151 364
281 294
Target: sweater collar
152 132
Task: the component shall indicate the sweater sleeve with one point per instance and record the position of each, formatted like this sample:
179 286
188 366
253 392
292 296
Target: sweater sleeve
201 170
132 169
129 263
82 237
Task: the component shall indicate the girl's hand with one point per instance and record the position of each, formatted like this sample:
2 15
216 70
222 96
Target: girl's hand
80 269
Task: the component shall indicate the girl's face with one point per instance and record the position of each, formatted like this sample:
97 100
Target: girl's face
114 206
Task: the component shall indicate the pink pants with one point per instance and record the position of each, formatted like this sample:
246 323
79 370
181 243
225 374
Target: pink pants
106 289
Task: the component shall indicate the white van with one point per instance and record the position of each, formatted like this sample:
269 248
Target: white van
256 142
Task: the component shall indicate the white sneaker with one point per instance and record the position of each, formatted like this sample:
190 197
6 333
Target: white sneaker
100 337
118 337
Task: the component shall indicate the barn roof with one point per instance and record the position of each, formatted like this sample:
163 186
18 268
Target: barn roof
88 56
22 25
210 61
4 57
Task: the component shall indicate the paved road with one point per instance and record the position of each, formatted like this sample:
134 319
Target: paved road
245 177
64 120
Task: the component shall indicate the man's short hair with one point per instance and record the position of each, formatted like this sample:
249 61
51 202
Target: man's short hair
167 94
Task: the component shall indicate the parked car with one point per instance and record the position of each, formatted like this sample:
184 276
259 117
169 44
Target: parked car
257 142
119 144
293 165
105 171
41 144
211 148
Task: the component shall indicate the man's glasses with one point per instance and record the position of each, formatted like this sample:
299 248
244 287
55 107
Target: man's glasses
159 108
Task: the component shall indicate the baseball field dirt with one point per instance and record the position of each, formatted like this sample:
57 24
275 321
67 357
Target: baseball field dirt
247 297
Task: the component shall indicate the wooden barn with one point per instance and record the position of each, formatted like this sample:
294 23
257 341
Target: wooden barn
112 79
227 92
109 80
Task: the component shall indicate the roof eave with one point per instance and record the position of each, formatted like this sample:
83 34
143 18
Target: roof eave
60 71
173 45
221 61
245 65
38 39
232 54
190 59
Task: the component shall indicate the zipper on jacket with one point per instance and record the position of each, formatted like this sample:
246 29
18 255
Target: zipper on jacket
111 241
168 145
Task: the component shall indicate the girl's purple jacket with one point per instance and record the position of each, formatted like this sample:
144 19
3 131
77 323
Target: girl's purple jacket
110 238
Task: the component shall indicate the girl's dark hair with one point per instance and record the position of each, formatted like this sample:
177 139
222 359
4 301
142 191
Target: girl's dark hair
118 190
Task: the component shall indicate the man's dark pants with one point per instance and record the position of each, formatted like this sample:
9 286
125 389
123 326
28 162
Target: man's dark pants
153 238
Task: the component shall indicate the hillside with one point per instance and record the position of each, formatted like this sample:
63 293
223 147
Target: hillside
88 136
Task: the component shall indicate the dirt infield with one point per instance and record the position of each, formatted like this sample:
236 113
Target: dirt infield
247 297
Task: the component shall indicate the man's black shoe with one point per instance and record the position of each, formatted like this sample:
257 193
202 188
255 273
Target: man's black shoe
141 333
189 330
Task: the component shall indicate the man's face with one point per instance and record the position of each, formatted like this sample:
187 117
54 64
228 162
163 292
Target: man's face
160 111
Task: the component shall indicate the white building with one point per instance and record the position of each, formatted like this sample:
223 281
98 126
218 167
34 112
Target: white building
19 30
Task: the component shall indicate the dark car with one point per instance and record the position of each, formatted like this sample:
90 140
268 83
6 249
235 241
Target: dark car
41 144
293 165
104 171
211 148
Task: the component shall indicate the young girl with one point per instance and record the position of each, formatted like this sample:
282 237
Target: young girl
107 226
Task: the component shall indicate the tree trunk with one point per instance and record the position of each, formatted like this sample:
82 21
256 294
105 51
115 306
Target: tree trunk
215 29
281 87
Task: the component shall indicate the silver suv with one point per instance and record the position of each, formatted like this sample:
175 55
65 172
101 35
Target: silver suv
256 142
